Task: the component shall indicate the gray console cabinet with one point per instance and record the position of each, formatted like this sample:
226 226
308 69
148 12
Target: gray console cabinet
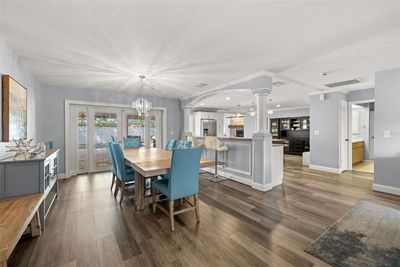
38 174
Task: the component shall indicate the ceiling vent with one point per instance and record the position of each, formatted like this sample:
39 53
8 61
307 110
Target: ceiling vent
201 85
278 84
342 83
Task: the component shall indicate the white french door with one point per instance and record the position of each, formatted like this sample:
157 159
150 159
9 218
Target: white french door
104 125
91 127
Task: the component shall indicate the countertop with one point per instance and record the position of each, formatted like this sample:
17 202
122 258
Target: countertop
357 140
41 156
230 138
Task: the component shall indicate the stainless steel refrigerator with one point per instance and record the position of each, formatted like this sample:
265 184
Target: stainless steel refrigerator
208 127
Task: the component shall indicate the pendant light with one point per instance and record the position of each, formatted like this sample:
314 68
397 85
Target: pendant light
142 105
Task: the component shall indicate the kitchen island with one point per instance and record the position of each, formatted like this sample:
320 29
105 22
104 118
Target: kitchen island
239 161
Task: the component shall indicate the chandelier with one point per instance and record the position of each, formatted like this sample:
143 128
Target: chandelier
142 105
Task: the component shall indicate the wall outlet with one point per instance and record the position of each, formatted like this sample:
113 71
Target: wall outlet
316 132
386 134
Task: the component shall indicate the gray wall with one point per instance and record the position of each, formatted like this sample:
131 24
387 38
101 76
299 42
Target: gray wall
46 103
50 110
10 64
288 113
360 95
387 117
324 116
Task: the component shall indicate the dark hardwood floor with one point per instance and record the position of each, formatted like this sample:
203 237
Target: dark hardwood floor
239 226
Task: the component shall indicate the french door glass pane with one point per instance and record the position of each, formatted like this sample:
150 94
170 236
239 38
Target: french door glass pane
153 131
105 126
82 140
135 126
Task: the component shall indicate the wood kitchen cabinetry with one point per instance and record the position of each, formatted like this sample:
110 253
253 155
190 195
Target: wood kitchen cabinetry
358 152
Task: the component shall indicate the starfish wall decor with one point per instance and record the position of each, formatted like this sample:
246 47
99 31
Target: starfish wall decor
21 147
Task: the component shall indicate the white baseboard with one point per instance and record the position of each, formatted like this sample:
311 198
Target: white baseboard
386 189
230 176
242 180
325 169
262 187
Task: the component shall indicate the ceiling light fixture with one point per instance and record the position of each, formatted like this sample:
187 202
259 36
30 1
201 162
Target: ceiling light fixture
142 105
201 104
251 109
270 112
227 98
278 106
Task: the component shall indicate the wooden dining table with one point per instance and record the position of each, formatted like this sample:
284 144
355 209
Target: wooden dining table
150 162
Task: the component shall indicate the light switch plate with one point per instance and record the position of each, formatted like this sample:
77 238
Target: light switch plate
316 132
386 134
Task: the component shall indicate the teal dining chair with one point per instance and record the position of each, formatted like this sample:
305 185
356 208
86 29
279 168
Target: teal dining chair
183 182
170 145
184 144
124 177
132 142
114 168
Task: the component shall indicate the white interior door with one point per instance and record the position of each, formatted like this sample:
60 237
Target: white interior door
343 137
371 134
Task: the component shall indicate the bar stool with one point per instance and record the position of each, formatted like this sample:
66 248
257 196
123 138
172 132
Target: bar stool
213 143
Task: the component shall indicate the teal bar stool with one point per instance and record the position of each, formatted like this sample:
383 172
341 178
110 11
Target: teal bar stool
114 168
132 142
124 177
170 145
184 144
183 182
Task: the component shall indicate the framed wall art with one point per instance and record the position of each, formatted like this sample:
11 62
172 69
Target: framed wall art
14 110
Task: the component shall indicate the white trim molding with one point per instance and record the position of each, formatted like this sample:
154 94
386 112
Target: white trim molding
249 182
386 189
325 169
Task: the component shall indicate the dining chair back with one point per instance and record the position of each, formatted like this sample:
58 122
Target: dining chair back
184 144
112 138
170 145
113 165
120 163
184 173
131 142
183 182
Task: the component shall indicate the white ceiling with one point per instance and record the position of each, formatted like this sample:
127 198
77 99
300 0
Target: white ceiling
105 44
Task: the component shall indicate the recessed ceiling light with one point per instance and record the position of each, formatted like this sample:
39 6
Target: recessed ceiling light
323 74
227 98
251 109
201 104
278 106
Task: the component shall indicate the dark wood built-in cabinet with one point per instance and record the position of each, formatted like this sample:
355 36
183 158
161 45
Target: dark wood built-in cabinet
293 133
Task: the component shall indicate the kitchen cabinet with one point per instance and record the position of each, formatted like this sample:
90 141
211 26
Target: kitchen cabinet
358 152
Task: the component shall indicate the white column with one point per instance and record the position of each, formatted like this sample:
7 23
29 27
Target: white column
262 114
186 122
262 144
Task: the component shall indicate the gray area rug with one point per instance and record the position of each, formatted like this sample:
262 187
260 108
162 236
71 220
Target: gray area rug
368 235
